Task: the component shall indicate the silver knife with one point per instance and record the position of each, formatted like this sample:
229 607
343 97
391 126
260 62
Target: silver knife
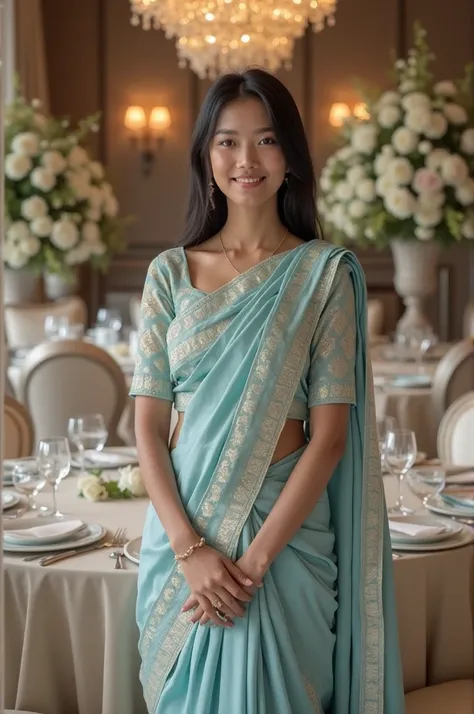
50 559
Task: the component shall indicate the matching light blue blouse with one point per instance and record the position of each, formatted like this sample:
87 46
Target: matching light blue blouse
329 373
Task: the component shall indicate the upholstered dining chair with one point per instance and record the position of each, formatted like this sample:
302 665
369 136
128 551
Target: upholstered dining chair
454 376
68 378
456 432
455 697
18 429
24 324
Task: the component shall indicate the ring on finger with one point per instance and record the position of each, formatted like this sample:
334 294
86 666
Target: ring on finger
217 604
221 615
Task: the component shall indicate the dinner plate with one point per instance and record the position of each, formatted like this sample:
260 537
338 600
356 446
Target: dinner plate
70 528
464 537
9 499
410 381
451 528
436 504
120 456
462 497
91 533
132 550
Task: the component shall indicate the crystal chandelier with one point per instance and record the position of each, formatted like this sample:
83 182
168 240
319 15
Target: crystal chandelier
216 36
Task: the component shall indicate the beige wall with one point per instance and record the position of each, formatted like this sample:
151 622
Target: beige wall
98 60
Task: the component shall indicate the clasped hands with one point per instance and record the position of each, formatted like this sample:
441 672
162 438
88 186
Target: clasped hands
219 587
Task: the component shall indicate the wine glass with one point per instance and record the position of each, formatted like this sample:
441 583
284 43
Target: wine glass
92 433
53 324
109 318
74 427
426 482
29 480
400 455
421 340
53 459
384 425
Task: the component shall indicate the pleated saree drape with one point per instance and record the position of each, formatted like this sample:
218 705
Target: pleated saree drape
320 636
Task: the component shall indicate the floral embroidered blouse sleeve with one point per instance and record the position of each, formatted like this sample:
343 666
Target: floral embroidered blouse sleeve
331 376
152 368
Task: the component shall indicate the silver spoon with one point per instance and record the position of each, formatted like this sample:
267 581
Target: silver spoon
118 555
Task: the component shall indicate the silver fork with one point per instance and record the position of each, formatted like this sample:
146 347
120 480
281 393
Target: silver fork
118 554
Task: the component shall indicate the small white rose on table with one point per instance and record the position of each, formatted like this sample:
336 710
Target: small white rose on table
100 486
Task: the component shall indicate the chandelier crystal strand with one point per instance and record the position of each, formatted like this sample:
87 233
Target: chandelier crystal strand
217 36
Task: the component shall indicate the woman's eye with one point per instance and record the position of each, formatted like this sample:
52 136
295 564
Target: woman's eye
268 140
226 142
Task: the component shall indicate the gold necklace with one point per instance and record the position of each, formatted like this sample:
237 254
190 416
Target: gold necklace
270 256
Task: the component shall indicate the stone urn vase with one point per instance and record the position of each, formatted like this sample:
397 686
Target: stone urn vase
415 279
20 286
57 286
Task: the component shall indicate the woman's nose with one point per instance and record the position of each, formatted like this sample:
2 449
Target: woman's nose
247 157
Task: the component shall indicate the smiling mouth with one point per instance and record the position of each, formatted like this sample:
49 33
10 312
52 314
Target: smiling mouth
247 182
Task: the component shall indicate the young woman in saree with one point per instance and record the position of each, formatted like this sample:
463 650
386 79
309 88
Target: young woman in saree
265 581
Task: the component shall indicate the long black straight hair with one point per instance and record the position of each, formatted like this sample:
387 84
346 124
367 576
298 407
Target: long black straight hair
207 211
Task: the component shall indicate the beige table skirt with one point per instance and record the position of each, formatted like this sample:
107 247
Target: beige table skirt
71 638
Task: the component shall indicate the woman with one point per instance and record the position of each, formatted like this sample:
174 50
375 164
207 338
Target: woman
267 516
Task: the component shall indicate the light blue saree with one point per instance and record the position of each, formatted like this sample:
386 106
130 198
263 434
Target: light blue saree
320 635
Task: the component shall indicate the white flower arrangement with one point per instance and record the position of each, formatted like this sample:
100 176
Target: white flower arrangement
100 485
407 171
60 210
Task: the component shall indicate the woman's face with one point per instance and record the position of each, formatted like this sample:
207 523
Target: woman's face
246 160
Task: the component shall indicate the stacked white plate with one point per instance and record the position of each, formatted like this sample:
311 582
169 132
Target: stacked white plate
9 499
37 535
132 549
424 532
109 458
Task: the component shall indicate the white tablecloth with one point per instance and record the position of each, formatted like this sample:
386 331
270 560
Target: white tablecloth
71 638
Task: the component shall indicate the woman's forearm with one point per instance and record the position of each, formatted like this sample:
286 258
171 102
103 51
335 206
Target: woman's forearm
160 483
298 498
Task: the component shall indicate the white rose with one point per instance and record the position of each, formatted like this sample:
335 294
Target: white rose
465 192
338 215
430 201
54 161
436 159
389 97
364 138
455 114
437 127
384 184
94 490
43 179
427 218
427 181
14 257
111 207
346 152
416 100
408 85
79 185
31 246
97 248
95 196
365 190
95 214
18 231
34 207
350 229
418 120
445 88
424 233
404 140
84 481
79 254
64 234
400 203
357 208
388 116
90 231
355 174
131 480
424 147
467 228
343 191
454 170
17 166
26 143
467 141
97 170
382 160
42 227
324 182
400 171
77 157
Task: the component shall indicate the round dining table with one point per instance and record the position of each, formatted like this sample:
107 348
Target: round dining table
71 638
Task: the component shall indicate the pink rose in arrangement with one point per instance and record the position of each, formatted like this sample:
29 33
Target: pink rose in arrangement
427 181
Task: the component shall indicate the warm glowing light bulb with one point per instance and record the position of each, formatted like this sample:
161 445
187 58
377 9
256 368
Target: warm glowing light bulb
159 120
339 113
135 118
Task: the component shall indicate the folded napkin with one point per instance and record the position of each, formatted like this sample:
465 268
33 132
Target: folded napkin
111 457
415 529
50 530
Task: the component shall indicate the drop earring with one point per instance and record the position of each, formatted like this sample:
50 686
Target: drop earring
211 194
287 178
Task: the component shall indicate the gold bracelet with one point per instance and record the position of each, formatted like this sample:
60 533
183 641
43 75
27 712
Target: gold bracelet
190 551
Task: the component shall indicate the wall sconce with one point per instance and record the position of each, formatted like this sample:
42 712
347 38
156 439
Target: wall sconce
147 135
340 111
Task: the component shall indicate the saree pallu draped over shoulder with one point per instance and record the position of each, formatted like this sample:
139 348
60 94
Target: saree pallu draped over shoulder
320 635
